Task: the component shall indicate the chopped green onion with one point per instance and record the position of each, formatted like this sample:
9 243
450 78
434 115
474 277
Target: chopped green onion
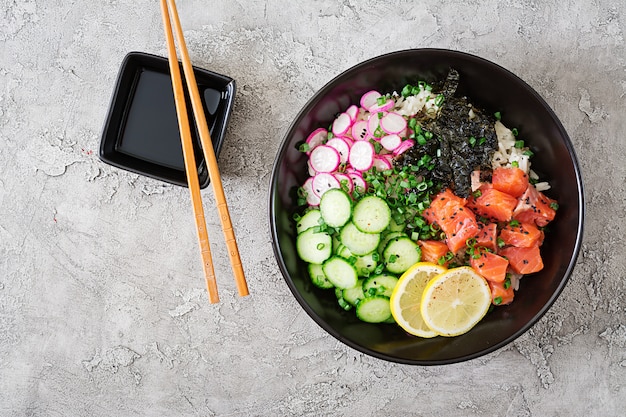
515 164
497 115
519 144
472 141
513 223
477 193
528 152
305 147
439 100
554 206
500 242
507 282
515 131
497 301
381 100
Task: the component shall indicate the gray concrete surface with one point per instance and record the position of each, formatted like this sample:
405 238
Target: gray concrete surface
103 310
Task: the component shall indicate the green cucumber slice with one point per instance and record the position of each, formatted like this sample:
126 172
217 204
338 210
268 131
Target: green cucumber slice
400 254
310 219
371 214
374 309
355 294
314 246
358 242
318 278
340 272
382 284
336 207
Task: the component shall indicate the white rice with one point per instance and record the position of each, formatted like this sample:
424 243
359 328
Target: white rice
507 154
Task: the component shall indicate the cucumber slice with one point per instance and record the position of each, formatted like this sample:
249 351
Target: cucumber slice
341 301
358 242
371 214
387 238
355 294
340 272
374 309
336 207
318 278
310 219
314 246
364 265
400 254
382 284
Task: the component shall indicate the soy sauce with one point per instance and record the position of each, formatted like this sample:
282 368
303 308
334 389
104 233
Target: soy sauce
150 130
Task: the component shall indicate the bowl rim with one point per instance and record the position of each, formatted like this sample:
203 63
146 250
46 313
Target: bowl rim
274 228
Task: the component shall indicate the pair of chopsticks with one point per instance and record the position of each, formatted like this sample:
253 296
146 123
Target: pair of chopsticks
209 155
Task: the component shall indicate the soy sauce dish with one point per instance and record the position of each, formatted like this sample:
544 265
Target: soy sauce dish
492 88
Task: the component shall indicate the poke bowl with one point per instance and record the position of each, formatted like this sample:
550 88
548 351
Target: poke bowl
372 105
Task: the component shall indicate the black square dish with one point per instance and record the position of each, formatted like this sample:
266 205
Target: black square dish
141 131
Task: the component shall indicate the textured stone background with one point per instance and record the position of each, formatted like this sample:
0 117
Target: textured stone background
103 310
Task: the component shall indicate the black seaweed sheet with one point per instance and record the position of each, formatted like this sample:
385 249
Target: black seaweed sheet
460 144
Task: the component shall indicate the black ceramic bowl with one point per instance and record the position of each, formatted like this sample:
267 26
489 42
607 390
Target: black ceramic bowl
493 88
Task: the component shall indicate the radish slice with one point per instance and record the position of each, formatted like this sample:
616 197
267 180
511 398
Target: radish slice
316 138
312 199
393 123
359 130
323 182
358 182
342 147
361 155
353 112
382 164
404 146
369 99
341 124
324 158
387 105
391 142
373 124
344 179
312 172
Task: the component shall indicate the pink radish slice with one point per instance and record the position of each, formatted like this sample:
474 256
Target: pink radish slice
342 147
359 130
341 124
387 105
373 124
393 123
353 112
357 180
369 99
404 146
391 142
310 169
323 182
312 199
382 164
316 138
345 179
324 158
361 155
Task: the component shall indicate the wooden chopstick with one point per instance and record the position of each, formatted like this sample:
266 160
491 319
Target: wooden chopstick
207 148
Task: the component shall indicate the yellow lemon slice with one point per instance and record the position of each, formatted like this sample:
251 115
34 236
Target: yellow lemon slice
407 296
455 301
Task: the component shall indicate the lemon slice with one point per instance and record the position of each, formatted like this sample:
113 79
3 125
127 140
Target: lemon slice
407 296
455 301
